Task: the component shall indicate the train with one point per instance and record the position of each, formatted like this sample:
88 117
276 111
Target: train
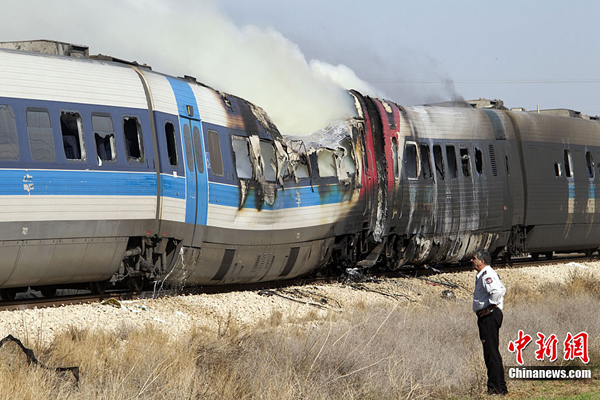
114 175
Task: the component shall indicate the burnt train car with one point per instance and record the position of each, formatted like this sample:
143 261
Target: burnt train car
115 174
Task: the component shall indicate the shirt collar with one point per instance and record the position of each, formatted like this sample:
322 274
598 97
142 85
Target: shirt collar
482 271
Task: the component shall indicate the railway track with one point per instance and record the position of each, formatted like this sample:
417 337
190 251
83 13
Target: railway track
352 276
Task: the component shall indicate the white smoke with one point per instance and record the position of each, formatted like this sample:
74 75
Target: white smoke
195 38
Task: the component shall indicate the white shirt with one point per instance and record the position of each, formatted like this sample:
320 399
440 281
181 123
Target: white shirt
488 290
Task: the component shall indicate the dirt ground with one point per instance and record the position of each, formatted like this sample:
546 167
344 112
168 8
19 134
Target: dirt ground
208 311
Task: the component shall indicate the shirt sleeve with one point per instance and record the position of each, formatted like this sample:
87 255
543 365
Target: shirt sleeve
494 287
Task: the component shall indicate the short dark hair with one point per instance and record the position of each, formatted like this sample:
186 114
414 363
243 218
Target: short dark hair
485 256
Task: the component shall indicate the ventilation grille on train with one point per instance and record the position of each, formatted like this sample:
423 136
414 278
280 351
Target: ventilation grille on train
493 161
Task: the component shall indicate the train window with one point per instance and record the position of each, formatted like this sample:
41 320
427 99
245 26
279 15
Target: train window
187 140
104 136
348 166
214 152
267 152
411 161
438 157
395 157
590 164
132 130
568 163
171 143
493 160
425 162
199 153
302 170
464 159
71 127
326 163
478 161
451 158
243 166
39 129
9 141
507 168
557 169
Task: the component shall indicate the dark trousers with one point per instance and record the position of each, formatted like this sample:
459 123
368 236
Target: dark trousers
489 327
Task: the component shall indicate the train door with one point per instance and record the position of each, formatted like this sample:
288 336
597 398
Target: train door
195 178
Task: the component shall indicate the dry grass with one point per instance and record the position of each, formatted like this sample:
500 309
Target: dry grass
428 350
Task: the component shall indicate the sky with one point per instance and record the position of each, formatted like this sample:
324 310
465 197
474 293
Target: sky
294 58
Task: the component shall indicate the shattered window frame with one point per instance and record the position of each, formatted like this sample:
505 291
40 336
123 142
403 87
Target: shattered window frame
71 129
426 170
395 160
9 139
347 164
478 161
465 161
103 130
451 160
325 160
411 160
589 158
568 163
302 171
270 172
129 136
241 161
41 137
438 158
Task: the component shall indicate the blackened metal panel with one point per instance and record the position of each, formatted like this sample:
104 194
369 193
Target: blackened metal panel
225 265
291 261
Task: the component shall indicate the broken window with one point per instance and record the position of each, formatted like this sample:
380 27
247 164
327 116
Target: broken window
72 135
9 142
478 161
557 169
590 164
187 140
425 162
171 143
241 151
198 152
395 157
568 164
267 152
302 170
132 130
348 166
104 136
39 129
438 157
451 159
464 159
411 161
326 163
214 151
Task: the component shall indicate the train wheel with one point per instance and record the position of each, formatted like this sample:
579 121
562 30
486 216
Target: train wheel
8 294
48 291
549 255
98 287
535 256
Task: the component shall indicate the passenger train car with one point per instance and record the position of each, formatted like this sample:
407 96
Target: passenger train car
114 173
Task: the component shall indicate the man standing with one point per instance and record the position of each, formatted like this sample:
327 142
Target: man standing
487 304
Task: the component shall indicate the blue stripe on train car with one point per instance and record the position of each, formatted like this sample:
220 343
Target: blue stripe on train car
68 183
228 195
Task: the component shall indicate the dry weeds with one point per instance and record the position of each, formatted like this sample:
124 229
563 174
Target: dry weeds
389 351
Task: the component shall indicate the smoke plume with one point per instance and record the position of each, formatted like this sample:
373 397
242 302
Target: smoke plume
187 38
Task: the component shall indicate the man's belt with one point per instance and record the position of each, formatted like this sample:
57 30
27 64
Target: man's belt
486 311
